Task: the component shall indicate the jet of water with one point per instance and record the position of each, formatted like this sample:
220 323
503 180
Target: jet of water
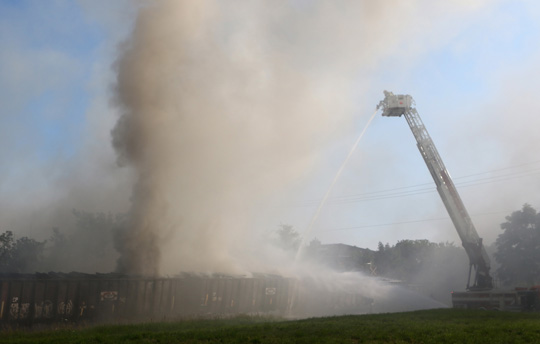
325 198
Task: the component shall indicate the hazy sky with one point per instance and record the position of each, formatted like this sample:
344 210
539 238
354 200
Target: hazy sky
473 68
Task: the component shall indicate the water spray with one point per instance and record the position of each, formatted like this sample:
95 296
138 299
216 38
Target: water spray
331 187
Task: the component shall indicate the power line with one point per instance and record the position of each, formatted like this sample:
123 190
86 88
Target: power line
407 222
502 177
517 173
432 189
500 169
390 193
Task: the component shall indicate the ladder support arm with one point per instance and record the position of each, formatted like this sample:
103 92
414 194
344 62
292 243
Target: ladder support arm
402 105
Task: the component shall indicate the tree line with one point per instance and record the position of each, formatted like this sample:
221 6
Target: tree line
515 256
90 247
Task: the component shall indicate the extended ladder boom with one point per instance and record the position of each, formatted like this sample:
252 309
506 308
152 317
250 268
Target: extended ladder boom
398 105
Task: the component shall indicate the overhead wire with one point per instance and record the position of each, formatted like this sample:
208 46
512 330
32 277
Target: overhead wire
390 193
409 221
432 189
416 190
517 173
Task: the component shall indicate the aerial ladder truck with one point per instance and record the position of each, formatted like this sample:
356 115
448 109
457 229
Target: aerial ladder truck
480 292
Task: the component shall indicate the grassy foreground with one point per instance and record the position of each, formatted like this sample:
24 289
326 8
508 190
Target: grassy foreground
433 326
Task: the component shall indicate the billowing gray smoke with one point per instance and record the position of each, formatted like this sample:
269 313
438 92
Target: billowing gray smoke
214 120
224 105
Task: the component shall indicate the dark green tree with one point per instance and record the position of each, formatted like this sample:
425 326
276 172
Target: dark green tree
21 255
88 246
6 250
405 259
27 255
58 252
518 248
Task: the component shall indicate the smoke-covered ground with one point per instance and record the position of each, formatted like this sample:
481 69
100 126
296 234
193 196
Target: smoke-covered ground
226 117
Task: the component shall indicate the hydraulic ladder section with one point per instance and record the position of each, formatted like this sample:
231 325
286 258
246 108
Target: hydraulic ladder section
398 105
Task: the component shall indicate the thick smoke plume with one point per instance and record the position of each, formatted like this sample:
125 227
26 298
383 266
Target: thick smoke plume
214 120
224 105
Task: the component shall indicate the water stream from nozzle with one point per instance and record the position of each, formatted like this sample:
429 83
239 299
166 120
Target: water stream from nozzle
325 198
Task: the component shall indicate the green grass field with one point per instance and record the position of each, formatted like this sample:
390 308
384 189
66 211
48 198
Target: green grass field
433 326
